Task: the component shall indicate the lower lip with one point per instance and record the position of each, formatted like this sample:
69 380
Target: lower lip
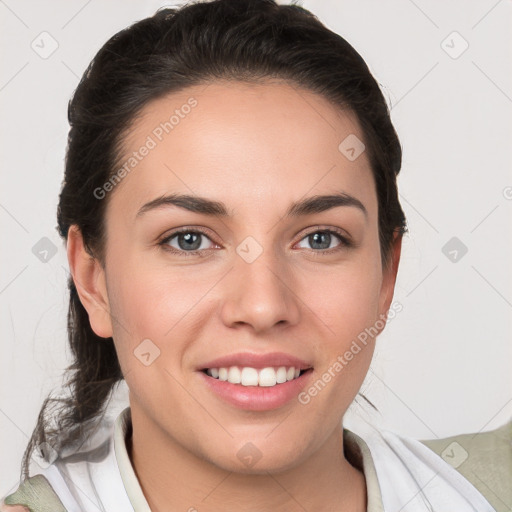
257 398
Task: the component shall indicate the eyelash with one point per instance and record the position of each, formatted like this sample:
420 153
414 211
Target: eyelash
344 242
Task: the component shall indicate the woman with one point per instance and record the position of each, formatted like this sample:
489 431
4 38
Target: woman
233 227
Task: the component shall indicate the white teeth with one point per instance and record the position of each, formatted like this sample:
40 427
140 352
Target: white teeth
281 375
267 377
247 376
234 375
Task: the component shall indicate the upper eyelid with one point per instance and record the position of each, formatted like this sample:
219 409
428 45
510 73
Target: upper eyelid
179 231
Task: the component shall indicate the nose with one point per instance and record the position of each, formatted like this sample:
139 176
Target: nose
260 293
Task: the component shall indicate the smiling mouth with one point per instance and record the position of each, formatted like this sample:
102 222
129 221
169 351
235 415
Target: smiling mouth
260 377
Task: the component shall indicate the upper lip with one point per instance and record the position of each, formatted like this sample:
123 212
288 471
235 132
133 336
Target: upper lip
259 361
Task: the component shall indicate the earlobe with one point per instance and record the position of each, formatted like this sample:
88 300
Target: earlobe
389 275
89 278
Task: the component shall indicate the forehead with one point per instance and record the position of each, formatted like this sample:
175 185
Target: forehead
238 140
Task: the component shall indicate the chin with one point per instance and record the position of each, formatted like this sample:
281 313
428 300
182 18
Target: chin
258 457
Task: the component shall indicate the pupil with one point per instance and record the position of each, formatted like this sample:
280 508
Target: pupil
188 237
314 239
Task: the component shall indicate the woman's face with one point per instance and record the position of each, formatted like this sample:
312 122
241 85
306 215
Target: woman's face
247 281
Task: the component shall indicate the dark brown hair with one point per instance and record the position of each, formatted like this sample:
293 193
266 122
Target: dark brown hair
198 43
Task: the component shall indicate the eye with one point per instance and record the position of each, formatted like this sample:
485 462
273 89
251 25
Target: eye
186 242
321 240
189 242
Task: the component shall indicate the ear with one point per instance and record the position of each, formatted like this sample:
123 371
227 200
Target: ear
389 274
89 278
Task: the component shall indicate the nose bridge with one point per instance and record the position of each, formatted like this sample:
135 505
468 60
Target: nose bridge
260 288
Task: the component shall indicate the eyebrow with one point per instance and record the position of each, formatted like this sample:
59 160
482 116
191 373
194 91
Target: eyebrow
202 205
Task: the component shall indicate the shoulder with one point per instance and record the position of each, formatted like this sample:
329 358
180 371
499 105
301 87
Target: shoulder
12 508
484 459
33 494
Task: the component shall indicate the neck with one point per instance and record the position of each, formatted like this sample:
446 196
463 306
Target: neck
170 474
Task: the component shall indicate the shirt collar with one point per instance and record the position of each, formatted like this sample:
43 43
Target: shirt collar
356 452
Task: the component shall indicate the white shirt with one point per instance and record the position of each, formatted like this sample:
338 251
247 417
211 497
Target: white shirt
402 474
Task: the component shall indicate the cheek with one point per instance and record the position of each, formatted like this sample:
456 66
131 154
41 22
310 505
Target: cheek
149 336
144 292
156 302
345 300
